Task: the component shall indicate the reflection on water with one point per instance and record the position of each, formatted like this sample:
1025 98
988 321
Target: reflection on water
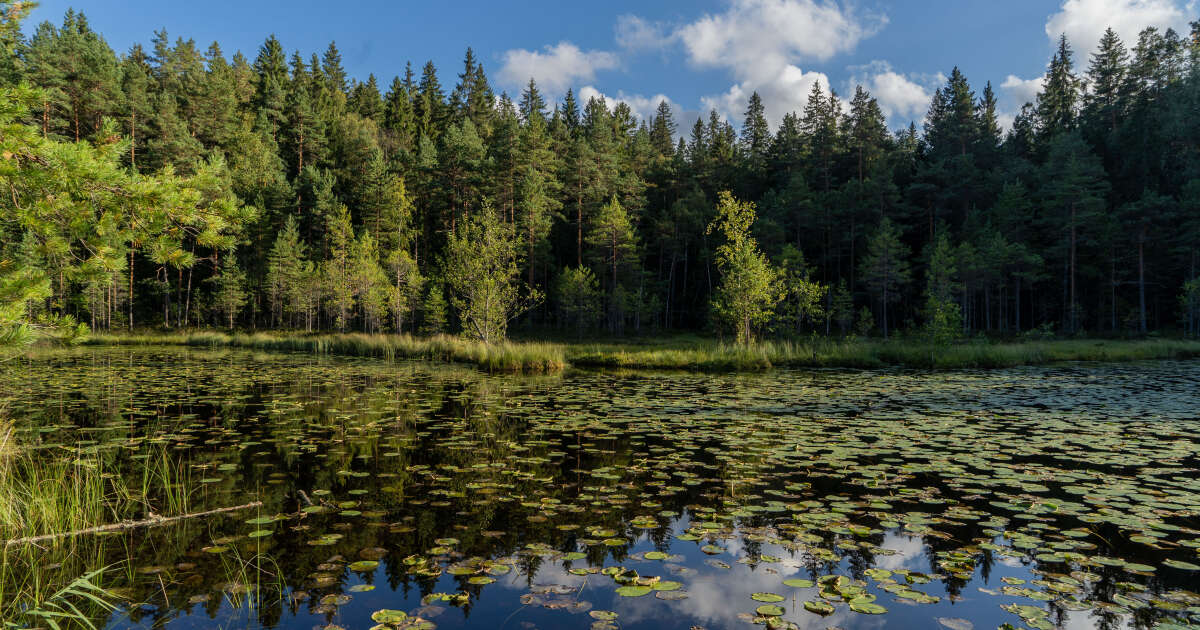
1039 497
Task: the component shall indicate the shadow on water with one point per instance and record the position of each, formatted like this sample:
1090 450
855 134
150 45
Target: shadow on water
1041 497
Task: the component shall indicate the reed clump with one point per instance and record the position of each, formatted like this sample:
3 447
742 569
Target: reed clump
685 353
507 356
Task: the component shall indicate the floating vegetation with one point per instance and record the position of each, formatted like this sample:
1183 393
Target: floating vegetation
420 495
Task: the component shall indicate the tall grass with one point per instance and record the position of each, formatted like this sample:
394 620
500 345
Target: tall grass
74 605
822 353
687 353
507 356
55 493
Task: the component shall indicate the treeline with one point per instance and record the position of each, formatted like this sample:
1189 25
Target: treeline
354 205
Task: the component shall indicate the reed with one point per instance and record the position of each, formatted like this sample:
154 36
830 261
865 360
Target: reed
687 353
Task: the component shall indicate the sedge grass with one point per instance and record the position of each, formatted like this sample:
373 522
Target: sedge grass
688 353
52 493
506 356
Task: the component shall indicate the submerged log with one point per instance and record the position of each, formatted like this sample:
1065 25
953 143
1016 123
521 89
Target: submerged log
123 525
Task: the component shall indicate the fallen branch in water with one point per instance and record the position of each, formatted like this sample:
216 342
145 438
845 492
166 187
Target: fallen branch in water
149 522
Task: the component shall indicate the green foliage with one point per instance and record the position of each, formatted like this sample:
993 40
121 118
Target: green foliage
750 287
577 293
885 267
434 311
480 269
1189 302
943 317
229 290
128 169
803 299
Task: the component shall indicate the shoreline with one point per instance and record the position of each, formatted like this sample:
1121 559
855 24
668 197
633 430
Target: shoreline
686 354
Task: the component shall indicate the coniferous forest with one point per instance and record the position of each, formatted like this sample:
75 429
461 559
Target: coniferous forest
174 185
408 352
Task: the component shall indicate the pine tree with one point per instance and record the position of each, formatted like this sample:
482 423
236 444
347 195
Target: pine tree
229 290
662 130
532 104
756 133
331 69
269 98
577 293
337 268
1074 195
943 317
611 235
1106 83
135 86
867 136
430 104
365 99
1058 102
885 267
285 274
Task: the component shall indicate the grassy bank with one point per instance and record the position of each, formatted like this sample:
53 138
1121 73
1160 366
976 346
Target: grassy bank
684 353
509 356
712 356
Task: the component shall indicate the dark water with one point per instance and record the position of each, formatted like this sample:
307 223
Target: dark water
1040 497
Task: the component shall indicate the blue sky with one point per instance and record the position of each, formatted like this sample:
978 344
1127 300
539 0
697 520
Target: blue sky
700 54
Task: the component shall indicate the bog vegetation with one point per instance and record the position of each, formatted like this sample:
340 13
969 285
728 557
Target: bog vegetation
176 186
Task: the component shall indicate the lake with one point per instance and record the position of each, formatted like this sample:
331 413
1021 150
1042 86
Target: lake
413 495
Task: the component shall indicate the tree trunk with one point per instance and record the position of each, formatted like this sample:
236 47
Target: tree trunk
1017 295
133 140
579 226
1142 280
1072 318
131 288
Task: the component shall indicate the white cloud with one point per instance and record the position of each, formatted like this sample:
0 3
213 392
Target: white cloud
633 33
555 68
771 32
903 98
643 107
786 92
1023 90
761 42
1084 21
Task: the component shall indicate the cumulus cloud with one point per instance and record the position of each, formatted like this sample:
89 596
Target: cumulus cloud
902 98
634 33
771 32
1084 21
643 107
761 42
786 92
555 68
1023 90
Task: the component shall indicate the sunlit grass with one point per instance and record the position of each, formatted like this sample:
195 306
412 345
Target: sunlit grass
715 356
687 352
508 356
56 493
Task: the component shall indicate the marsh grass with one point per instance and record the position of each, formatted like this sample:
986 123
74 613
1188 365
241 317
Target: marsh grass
715 356
77 604
507 356
688 353
54 492
254 582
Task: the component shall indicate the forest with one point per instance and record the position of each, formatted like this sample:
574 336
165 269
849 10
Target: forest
172 186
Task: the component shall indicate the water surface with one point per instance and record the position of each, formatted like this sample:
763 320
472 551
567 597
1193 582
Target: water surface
1042 497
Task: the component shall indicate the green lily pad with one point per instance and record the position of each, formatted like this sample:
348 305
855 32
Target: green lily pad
633 591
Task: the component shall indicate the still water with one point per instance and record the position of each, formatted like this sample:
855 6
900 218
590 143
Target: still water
411 495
